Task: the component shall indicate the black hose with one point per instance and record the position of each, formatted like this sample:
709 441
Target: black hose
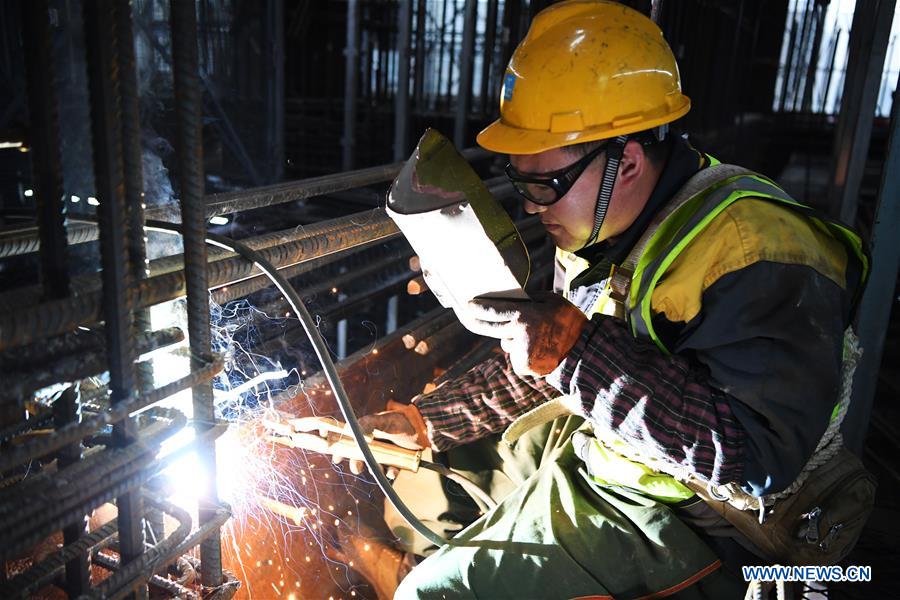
467 484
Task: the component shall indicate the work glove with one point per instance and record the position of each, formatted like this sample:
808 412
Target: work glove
537 334
401 424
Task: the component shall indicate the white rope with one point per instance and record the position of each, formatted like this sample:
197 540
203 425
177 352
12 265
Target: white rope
832 441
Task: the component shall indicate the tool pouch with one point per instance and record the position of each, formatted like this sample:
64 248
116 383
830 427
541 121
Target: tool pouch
818 524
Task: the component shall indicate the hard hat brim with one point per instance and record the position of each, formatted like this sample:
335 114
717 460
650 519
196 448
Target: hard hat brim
502 138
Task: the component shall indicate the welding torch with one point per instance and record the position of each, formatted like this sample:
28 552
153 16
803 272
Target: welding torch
327 435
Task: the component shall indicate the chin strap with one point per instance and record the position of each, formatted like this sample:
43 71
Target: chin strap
607 182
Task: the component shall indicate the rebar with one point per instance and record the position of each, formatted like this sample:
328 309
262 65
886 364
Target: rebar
54 348
189 150
130 575
51 214
338 282
175 589
74 432
40 574
231 202
102 41
44 137
46 514
67 409
426 325
88 362
133 170
322 229
26 240
254 284
32 323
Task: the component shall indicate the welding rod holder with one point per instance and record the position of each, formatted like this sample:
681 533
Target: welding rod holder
326 436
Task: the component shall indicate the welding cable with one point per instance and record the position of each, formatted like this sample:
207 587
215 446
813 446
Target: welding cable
467 484
328 367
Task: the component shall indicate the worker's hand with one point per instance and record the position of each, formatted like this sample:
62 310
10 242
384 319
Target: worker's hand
537 334
400 424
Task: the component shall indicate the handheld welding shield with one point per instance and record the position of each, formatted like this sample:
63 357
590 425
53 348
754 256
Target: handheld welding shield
467 244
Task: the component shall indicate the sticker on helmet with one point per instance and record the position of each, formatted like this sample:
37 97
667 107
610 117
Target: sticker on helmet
509 82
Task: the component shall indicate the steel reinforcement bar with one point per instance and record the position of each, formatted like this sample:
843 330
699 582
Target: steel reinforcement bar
58 316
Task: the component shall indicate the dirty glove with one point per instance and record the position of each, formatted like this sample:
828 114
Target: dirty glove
400 424
537 334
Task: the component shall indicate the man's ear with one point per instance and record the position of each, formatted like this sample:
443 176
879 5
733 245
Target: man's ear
633 163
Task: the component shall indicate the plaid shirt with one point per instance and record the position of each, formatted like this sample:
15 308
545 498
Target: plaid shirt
658 403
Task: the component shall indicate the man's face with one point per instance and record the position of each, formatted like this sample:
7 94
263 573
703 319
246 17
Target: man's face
570 220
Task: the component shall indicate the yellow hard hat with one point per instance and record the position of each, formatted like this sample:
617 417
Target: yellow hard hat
586 70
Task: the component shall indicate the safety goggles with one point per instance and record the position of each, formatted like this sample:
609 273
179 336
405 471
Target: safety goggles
550 187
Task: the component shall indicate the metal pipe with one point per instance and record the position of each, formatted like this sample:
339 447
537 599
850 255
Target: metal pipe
875 307
401 99
466 59
351 57
101 34
866 53
189 149
487 56
419 68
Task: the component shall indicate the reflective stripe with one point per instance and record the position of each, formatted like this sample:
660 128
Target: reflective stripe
688 221
664 244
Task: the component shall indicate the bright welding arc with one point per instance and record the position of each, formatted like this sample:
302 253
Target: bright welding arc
328 367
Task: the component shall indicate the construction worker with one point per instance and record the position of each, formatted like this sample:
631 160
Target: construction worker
697 332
